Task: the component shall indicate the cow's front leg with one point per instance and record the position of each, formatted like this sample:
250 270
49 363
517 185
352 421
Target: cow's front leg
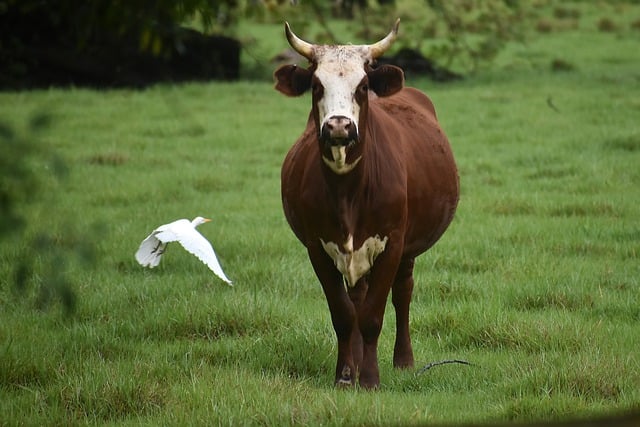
343 313
371 313
357 295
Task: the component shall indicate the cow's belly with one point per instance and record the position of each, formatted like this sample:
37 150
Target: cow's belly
355 263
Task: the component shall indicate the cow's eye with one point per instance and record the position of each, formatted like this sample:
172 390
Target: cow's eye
364 88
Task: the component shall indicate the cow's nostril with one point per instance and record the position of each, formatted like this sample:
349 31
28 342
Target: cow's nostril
339 128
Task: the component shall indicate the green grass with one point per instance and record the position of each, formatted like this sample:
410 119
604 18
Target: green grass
536 282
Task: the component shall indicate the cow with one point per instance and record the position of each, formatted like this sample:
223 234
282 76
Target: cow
370 185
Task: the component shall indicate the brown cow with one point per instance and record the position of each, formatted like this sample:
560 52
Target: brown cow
369 185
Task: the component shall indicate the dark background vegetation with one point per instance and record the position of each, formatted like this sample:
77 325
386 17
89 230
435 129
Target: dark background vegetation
106 43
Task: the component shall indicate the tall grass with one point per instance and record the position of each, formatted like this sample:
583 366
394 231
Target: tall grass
535 283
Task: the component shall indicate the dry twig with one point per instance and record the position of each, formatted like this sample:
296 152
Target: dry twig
442 362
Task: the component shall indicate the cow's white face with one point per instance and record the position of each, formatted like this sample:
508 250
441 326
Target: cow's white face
340 70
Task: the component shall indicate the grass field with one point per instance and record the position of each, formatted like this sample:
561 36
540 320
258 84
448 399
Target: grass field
536 282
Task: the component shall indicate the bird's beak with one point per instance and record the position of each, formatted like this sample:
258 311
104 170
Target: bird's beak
207 220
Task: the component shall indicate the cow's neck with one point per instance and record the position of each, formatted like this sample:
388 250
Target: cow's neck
346 194
354 248
346 185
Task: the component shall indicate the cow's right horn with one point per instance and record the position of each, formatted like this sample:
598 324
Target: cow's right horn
377 49
302 47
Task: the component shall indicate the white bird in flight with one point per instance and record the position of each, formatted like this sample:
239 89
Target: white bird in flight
184 232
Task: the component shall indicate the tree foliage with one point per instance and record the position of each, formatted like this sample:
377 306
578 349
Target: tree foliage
82 23
473 31
48 40
464 34
460 33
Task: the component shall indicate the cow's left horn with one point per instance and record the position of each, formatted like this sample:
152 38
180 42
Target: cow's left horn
302 47
377 49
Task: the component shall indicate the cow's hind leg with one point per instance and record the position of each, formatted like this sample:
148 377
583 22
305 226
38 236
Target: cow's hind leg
401 298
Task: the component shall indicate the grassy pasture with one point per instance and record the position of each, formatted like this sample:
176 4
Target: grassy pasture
536 282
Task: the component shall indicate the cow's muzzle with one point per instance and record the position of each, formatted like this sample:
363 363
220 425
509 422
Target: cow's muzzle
339 130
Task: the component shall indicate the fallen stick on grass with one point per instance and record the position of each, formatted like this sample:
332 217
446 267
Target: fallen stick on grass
442 362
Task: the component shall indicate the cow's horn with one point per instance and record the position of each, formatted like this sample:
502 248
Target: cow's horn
302 47
377 49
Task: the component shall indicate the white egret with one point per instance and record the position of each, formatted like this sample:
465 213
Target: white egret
184 232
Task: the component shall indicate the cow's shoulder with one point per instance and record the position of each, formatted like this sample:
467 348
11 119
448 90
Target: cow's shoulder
404 115
408 100
416 96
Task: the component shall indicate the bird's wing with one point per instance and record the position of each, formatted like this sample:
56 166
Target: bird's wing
150 251
195 243
171 232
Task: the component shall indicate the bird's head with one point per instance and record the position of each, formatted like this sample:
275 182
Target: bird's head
199 220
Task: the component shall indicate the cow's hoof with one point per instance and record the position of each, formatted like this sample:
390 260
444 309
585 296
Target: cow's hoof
403 363
369 385
345 379
403 356
369 382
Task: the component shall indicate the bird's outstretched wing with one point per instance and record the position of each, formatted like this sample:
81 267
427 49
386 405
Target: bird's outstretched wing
183 232
150 251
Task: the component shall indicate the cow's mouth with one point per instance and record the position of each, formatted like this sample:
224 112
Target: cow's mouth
336 159
339 149
339 142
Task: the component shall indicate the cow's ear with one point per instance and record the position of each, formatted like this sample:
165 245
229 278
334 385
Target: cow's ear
386 80
292 80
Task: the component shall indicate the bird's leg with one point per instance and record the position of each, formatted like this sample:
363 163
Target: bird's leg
158 247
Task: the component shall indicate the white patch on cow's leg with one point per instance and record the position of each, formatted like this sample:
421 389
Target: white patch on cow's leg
353 264
345 377
339 163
